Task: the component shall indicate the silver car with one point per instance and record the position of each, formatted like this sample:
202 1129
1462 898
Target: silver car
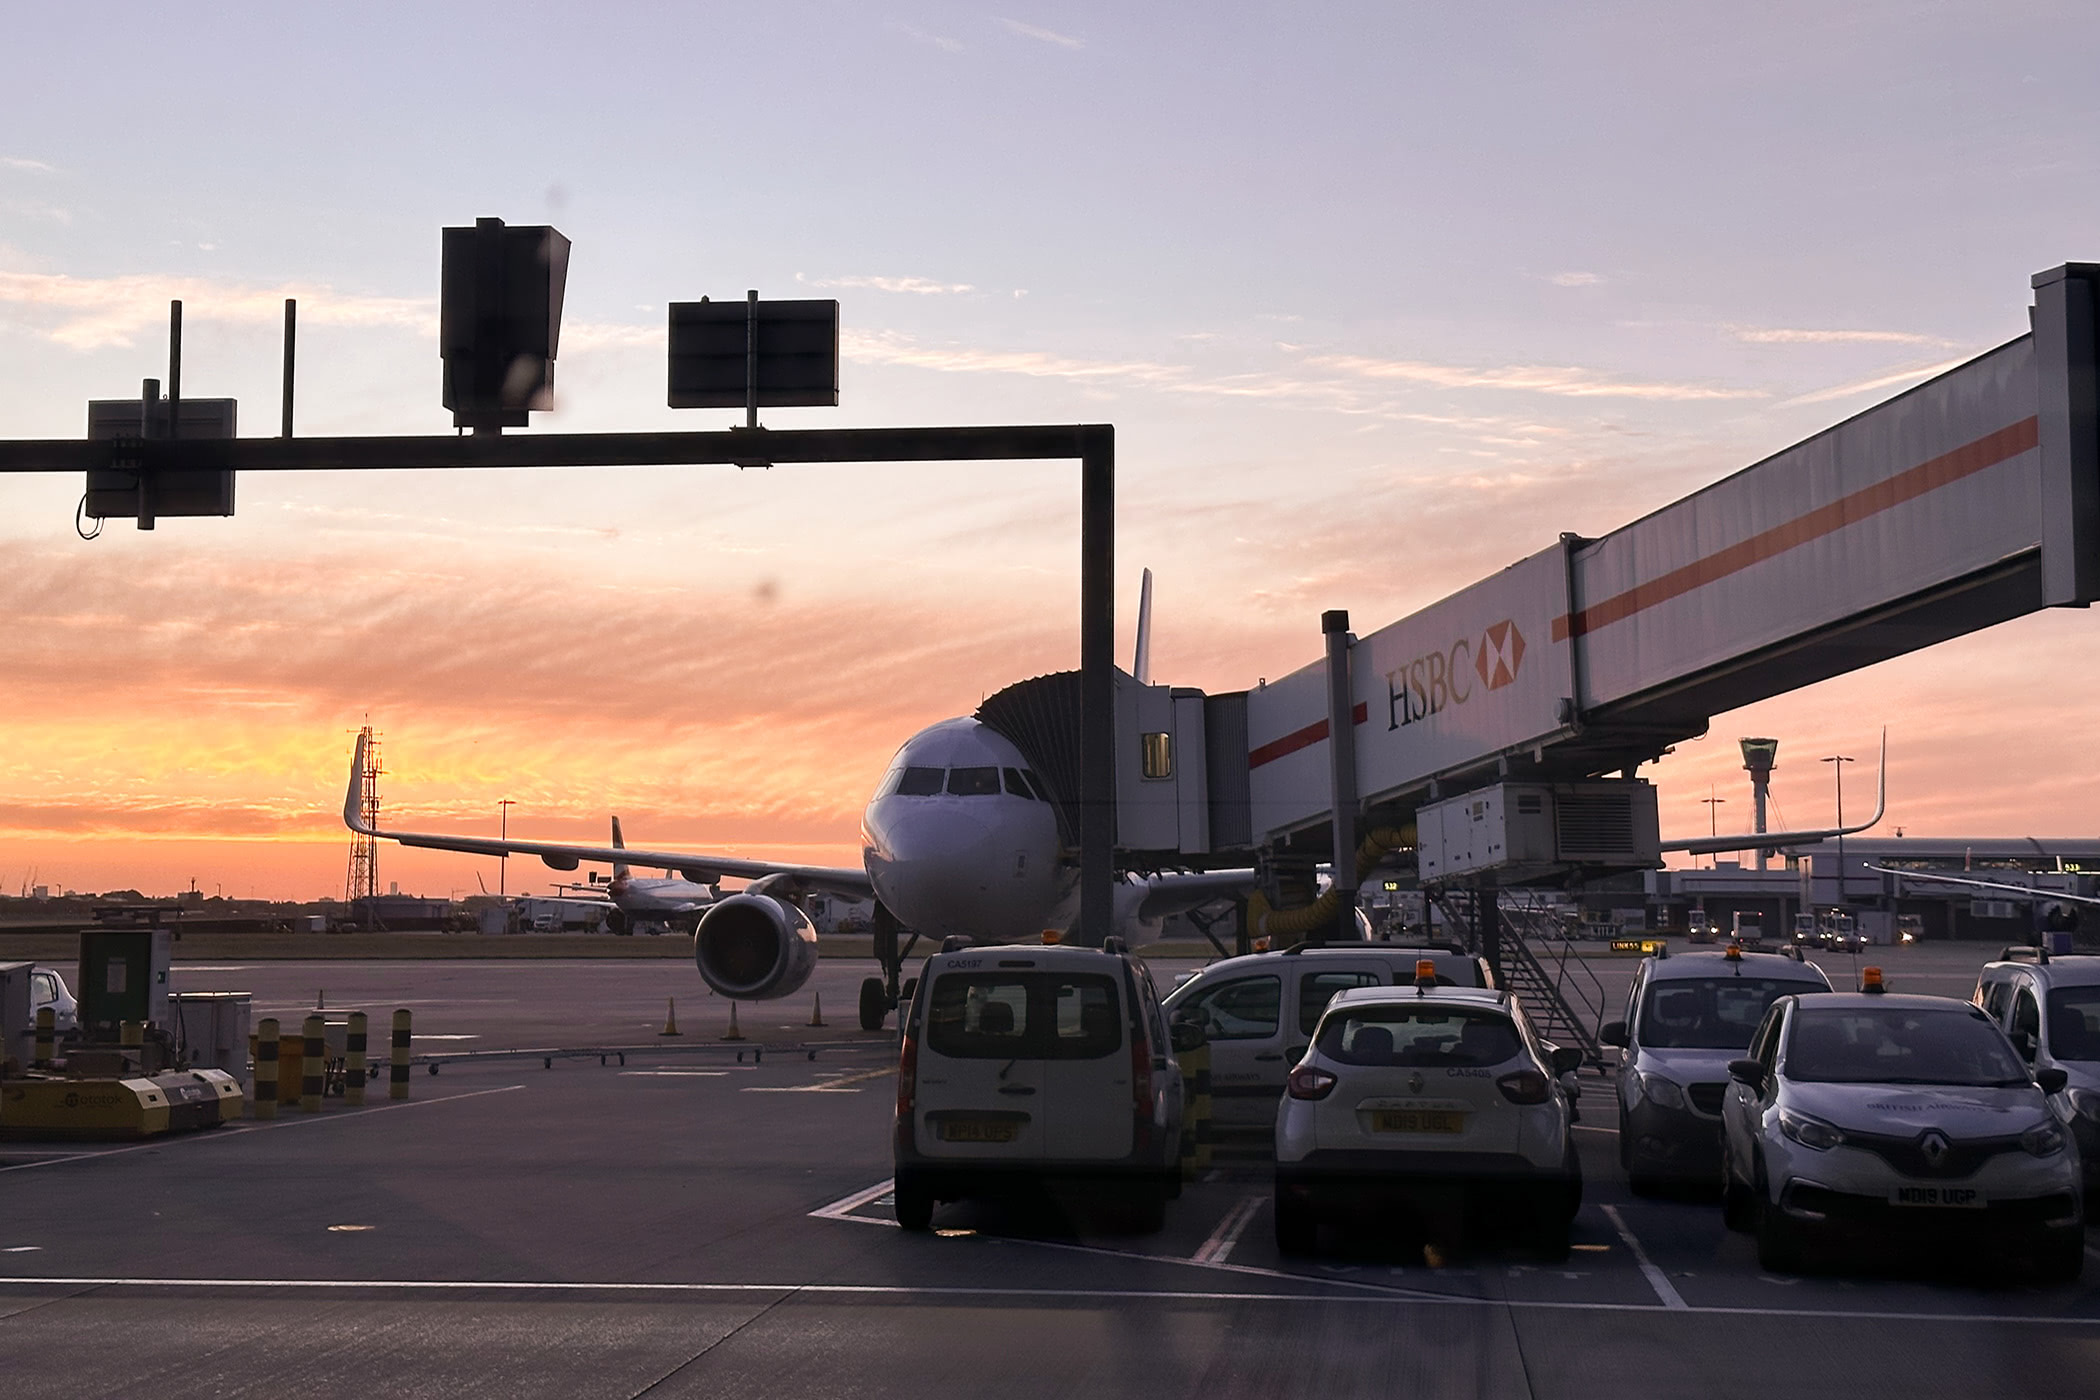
1888 1120
1686 1018
47 987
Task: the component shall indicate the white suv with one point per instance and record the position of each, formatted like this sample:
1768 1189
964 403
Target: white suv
1258 1011
1406 1088
1026 1062
2050 1008
1892 1119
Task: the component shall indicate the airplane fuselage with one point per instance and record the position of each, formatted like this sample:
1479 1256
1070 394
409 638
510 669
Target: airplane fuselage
961 838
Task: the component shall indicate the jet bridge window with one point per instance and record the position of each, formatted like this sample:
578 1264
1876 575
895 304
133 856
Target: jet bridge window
973 782
1158 755
920 782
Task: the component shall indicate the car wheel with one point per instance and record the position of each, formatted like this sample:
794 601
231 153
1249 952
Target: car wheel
914 1202
1644 1183
1552 1220
1738 1207
2060 1260
873 1004
1297 1229
1148 1209
1778 1239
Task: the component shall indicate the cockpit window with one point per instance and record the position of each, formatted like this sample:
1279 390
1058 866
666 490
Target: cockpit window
1036 783
1016 784
920 782
973 782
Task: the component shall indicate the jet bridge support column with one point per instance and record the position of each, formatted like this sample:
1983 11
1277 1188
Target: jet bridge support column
1341 755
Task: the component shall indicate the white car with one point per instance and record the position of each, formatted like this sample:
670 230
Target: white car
2050 1009
1027 1062
1258 1011
1410 1092
1886 1119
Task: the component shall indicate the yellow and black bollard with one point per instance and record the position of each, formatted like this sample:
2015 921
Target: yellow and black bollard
354 1061
397 1086
46 1037
266 1067
1197 1062
313 1064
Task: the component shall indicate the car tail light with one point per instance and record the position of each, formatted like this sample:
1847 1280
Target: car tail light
907 1077
1141 1089
1525 1086
1311 1082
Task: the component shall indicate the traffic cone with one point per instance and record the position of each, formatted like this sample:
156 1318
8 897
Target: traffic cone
670 1017
732 1033
816 1009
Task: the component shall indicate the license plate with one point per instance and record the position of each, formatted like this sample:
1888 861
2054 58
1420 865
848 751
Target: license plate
966 1131
1940 1197
1418 1120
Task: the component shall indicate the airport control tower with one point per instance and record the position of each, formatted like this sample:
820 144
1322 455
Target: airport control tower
1760 757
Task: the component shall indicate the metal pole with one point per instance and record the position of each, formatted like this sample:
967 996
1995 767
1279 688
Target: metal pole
149 429
291 341
751 358
1341 767
1097 685
1487 921
174 367
502 861
1837 763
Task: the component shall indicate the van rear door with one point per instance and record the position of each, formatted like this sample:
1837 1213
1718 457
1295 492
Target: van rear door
980 1085
1087 1092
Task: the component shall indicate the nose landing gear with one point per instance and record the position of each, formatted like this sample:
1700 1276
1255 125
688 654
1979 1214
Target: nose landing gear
879 995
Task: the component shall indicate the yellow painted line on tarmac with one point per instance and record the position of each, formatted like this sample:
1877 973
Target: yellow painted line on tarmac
843 1085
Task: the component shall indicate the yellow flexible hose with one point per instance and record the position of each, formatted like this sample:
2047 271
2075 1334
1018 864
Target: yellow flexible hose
1265 922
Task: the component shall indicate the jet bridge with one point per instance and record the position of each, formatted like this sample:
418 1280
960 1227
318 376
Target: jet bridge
1969 500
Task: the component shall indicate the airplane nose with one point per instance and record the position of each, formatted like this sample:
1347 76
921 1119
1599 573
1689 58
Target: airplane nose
948 868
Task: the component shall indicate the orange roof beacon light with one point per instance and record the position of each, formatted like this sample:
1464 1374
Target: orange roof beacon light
1870 980
1734 952
1261 945
1425 976
1052 936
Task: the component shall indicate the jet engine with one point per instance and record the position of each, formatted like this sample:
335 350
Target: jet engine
753 947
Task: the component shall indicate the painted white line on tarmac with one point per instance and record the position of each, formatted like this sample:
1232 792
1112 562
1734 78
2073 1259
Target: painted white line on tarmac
674 1074
248 1125
1218 1248
1386 1297
844 1206
1664 1289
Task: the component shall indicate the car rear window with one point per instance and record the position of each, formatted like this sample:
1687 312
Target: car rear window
1024 1015
1899 1045
2074 1023
1711 1013
1425 1033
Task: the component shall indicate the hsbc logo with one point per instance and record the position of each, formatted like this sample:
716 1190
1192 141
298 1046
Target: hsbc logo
1437 680
1501 653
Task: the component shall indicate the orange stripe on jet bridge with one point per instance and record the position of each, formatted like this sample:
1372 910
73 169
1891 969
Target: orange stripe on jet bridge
1298 739
1869 501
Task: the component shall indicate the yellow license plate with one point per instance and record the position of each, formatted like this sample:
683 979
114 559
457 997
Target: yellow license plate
978 1132
1418 1120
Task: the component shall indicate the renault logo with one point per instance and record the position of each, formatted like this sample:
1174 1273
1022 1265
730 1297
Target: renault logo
1935 1147
1414 1082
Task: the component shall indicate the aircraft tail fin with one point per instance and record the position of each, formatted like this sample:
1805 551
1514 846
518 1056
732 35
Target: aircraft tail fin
1141 664
619 869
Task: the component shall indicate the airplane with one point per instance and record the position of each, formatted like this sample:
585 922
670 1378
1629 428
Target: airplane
960 838
673 901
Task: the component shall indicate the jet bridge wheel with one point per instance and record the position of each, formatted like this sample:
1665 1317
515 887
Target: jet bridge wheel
874 1004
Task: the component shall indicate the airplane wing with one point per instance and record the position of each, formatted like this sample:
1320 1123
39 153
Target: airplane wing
1176 894
700 868
2023 891
1782 840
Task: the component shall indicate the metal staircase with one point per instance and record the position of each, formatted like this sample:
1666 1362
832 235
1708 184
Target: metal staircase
1563 997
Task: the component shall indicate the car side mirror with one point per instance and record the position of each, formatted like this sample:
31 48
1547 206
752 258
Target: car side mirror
1614 1033
1565 1060
2052 1080
1187 1036
1747 1072
2024 1043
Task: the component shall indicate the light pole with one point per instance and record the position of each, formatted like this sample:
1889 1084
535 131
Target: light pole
503 861
1713 819
1837 762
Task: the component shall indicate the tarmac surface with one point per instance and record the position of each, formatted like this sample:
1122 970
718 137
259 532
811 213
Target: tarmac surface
686 1224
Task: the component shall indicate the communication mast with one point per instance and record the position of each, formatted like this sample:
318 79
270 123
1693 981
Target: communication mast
363 880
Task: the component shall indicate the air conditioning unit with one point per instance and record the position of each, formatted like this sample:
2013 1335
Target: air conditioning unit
1523 830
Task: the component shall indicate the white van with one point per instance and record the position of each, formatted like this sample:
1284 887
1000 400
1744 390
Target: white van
1259 1011
1026 1062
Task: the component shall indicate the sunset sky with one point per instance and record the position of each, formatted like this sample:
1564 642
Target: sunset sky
1379 297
